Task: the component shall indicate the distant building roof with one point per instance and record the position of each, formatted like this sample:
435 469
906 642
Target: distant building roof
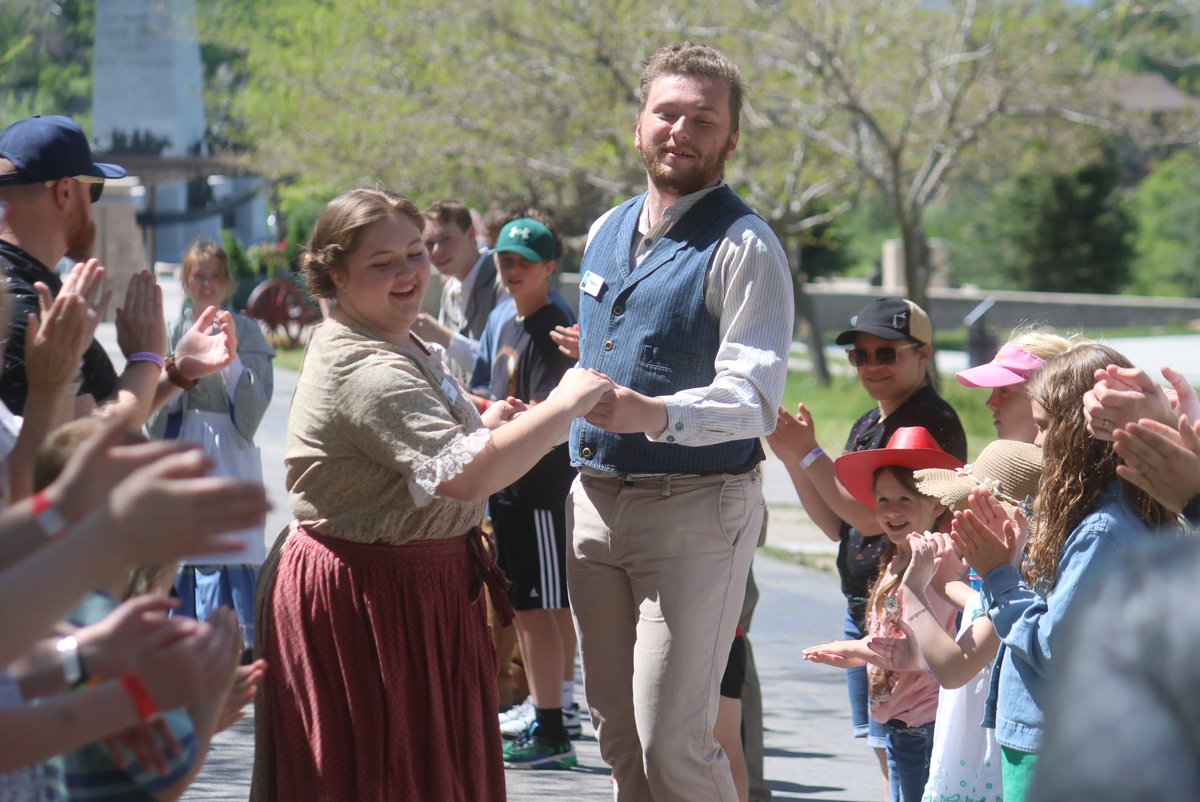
1151 92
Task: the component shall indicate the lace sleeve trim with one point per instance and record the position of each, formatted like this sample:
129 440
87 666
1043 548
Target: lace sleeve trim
446 464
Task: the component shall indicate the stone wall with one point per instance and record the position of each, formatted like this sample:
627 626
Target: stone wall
837 303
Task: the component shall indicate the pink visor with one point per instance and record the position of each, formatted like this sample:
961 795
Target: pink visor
1012 365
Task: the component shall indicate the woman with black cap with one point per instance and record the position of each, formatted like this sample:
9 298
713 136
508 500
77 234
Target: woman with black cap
890 343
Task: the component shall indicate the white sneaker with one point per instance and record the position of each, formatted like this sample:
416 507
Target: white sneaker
573 722
516 721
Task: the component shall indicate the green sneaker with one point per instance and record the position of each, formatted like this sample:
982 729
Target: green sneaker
531 753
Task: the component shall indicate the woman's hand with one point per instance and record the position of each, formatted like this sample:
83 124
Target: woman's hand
1163 461
1122 396
1182 395
499 413
985 539
209 345
794 435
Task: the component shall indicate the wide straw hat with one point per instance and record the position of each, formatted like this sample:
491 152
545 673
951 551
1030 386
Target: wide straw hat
1009 468
910 447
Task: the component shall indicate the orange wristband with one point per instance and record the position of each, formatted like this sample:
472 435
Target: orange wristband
139 694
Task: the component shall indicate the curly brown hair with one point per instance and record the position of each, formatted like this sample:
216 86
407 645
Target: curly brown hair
339 231
1077 468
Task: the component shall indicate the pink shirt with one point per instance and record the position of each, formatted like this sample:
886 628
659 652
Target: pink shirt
914 698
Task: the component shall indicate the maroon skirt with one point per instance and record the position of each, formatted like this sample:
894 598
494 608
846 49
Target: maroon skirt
381 679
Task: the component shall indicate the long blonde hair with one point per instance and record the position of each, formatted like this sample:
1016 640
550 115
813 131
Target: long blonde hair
1043 341
1077 468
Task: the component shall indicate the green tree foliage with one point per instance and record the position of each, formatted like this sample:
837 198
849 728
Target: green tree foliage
477 101
1065 231
1167 209
46 59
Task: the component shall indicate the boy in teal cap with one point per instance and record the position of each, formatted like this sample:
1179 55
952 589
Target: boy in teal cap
529 516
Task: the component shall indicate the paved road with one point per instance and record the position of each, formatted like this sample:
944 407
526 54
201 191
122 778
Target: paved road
810 755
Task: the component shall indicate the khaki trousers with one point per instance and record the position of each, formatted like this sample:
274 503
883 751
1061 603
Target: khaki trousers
657 574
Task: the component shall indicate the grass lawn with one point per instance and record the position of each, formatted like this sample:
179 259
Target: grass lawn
290 358
835 408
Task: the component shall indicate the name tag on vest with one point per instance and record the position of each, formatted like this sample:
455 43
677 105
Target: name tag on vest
591 283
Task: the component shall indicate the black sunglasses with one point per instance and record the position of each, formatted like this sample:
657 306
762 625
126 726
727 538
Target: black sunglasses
881 356
95 184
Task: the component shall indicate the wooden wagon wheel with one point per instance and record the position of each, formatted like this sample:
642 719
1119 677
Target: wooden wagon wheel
282 308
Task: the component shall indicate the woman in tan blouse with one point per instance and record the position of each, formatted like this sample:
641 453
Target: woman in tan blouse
382 676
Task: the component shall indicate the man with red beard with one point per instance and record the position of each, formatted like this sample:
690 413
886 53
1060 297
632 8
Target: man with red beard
686 303
48 183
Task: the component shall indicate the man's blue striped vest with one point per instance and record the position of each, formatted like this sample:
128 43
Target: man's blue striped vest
649 330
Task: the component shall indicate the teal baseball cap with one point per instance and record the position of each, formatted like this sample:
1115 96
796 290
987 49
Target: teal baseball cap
528 238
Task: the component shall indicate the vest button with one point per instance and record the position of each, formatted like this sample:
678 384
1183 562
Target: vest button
608 345
618 310
587 453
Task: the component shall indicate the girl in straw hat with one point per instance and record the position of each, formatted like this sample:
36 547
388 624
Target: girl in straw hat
966 758
1086 516
905 702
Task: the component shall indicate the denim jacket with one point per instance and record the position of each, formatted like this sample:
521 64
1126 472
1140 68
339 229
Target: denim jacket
1029 623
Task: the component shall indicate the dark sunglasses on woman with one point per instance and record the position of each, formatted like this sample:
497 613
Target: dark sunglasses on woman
887 355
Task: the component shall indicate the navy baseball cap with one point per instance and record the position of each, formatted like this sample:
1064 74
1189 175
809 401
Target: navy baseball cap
49 148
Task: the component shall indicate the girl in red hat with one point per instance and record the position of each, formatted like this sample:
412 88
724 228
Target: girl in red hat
905 702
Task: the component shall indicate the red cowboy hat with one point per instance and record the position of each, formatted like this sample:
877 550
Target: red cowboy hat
910 447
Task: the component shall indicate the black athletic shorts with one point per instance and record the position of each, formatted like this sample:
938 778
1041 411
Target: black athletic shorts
531 548
735 670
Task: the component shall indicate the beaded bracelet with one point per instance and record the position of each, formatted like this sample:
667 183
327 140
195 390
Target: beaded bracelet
148 356
135 688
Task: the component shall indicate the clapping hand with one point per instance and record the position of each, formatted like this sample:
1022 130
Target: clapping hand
1123 395
897 653
140 324
923 563
794 435
208 346
1161 460
985 535
59 336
